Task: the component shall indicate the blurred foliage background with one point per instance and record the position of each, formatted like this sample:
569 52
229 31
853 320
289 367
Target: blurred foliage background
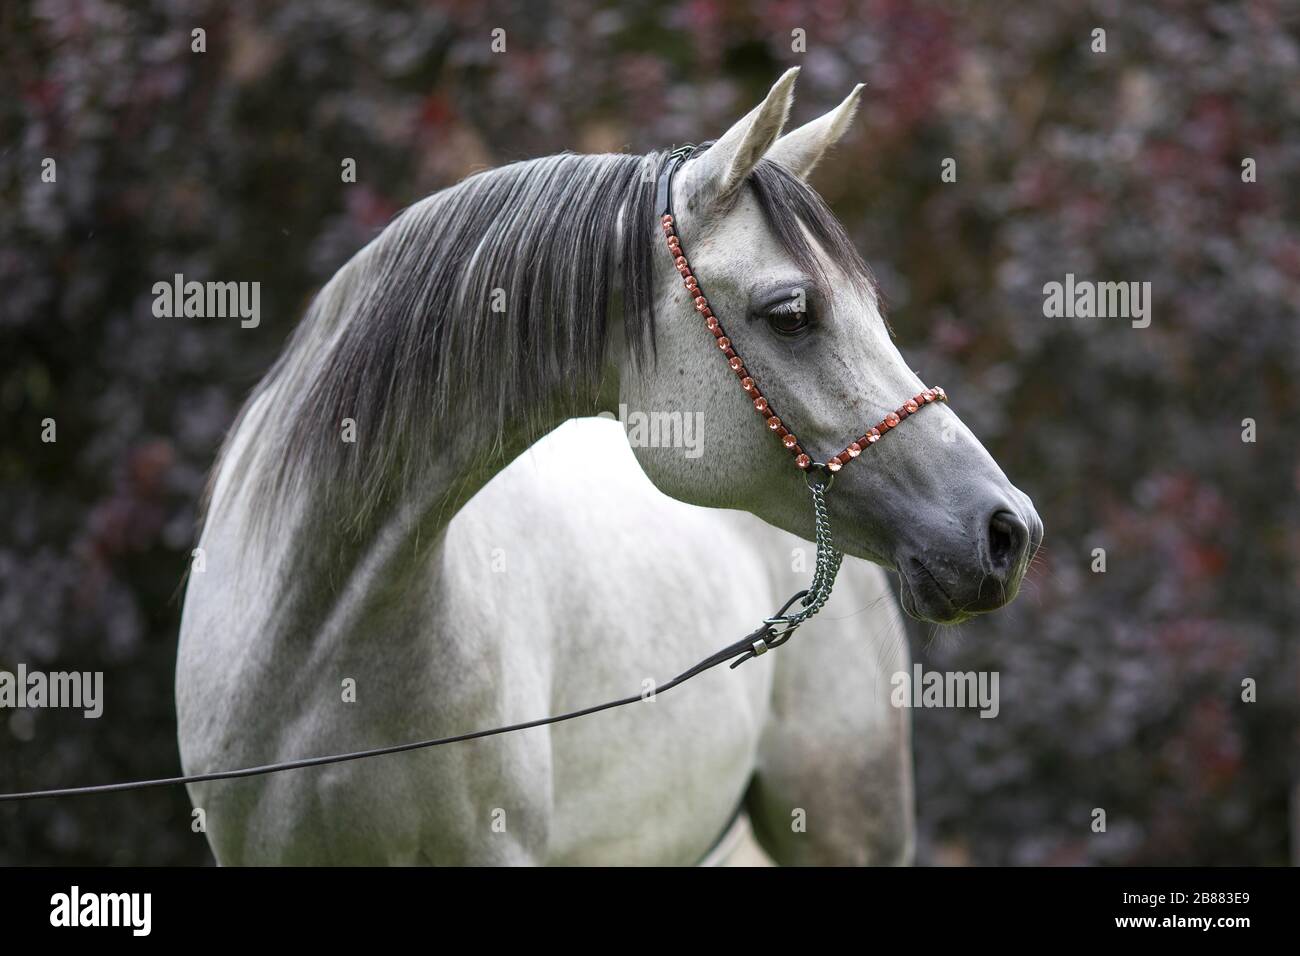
1120 690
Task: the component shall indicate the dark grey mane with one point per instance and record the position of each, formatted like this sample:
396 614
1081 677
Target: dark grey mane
404 340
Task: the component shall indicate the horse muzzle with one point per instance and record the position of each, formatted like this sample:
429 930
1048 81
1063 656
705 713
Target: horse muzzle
978 570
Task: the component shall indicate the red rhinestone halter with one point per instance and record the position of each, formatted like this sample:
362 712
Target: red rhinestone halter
762 404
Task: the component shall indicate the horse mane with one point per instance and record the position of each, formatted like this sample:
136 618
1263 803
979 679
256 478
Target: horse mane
407 335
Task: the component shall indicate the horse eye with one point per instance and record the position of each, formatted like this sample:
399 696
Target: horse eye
788 322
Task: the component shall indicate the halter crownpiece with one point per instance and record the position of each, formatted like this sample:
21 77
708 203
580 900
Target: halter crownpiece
762 404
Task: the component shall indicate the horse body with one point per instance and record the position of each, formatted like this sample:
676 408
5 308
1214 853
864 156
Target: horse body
368 583
533 605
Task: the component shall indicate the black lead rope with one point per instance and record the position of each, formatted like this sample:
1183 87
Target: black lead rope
773 632
726 653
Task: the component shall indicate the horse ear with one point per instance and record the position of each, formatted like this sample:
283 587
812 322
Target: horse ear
802 149
719 171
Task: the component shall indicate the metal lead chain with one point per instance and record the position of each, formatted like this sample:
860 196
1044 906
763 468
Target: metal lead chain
827 565
778 628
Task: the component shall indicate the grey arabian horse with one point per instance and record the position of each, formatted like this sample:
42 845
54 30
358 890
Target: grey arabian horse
377 569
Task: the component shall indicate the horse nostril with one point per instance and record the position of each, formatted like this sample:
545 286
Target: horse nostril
1008 538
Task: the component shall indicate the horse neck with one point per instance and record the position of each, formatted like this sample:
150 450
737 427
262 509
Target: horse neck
402 307
317 572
